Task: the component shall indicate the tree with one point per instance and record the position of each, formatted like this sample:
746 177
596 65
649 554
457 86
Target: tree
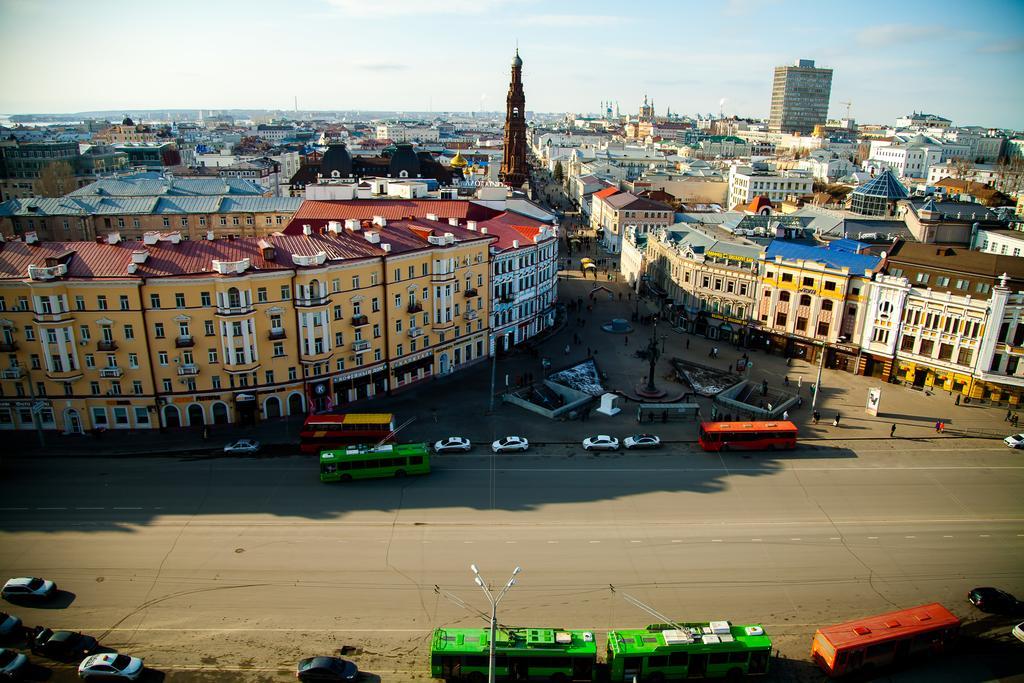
1010 175
56 180
963 169
559 173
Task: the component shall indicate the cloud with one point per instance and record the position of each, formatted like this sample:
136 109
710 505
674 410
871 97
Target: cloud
571 20
398 8
1005 47
892 34
744 8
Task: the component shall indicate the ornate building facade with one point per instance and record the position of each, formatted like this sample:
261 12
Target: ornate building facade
513 165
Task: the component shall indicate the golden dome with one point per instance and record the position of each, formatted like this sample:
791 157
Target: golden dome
458 161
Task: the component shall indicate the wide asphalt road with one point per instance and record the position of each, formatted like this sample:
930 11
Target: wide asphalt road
232 569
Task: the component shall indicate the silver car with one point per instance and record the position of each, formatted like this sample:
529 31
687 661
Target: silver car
509 444
243 447
28 588
453 444
109 666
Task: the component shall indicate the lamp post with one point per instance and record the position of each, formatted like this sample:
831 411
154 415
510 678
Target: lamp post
652 357
817 382
494 612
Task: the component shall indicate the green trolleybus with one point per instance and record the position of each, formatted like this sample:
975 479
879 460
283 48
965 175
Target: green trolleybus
520 654
367 462
675 652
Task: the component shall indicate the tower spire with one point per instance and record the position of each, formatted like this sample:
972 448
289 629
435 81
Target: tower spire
513 164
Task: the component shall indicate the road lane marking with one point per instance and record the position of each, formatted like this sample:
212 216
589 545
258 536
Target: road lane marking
552 541
872 538
51 508
90 508
835 538
126 508
636 541
947 537
12 509
593 541
733 470
910 537
679 540
716 540
755 540
794 539
983 536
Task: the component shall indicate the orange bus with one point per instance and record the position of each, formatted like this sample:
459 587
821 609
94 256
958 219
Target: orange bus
747 436
324 432
885 639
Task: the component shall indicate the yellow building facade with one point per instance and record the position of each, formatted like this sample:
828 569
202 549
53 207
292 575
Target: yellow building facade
166 332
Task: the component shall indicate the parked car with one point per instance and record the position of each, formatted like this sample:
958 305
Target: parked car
242 447
452 444
601 442
111 666
327 669
510 443
13 665
10 627
63 645
1014 441
28 588
642 441
1018 631
989 599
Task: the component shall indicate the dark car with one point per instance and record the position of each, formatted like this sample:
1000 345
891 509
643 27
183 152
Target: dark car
63 645
327 669
13 665
10 627
989 599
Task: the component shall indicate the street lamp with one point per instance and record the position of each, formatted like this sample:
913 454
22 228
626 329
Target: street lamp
494 612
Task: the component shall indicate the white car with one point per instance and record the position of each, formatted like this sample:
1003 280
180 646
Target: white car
453 444
602 442
1018 631
1014 441
28 588
110 665
510 443
642 441
243 447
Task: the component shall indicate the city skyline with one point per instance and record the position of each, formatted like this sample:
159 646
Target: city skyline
453 56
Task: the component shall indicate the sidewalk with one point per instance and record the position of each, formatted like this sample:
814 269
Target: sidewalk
459 404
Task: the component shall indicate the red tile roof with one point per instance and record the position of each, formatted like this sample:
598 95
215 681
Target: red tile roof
512 226
392 209
606 192
759 202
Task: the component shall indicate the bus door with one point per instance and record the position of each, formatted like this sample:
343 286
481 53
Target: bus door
698 666
631 668
902 650
758 662
518 669
582 669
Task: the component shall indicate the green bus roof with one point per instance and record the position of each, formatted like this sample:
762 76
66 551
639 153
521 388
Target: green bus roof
470 641
694 636
360 452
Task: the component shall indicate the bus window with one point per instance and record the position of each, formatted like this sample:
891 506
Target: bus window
416 460
719 657
678 659
841 659
657 660
879 650
738 658
344 465
329 468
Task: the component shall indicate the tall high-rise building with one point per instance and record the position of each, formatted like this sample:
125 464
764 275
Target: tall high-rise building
799 97
513 164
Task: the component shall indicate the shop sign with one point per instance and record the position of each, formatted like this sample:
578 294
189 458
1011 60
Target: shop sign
359 373
412 358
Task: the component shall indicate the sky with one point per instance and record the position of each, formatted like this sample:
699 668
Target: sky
962 60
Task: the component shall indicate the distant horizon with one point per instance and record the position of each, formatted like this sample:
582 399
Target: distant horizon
453 56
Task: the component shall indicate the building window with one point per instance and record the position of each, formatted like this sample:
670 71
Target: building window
79 302
124 302
211 355
179 300
158 330
292 374
129 332
261 294
278 349
94 388
101 303
154 301
162 358
286 292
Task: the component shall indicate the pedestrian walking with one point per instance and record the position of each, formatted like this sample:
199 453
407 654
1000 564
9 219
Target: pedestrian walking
626 338
588 352
799 401
620 296
687 344
938 427
942 426
815 416
1009 414
785 414
957 402
835 422
714 352
1015 419
567 349
785 380
892 430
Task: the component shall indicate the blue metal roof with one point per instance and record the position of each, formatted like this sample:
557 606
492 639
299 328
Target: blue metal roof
834 258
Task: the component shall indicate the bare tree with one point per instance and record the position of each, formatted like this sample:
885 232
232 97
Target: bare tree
56 180
1010 175
963 169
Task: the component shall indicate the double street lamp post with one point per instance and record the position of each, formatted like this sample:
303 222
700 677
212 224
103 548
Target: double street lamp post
494 600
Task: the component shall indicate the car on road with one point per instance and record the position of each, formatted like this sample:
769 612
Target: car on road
989 599
242 447
13 665
601 442
1014 441
10 627
110 666
326 669
62 645
452 444
1018 631
28 588
642 441
509 444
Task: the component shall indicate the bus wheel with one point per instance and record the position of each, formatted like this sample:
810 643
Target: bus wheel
734 675
656 677
559 678
475 677
725 447
346 477
399 474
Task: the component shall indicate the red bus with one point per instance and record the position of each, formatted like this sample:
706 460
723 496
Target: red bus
320 432
747 436
893 638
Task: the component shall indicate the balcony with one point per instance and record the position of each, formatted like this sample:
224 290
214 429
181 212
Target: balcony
414 307
415 332
360 320
8 346
184 341
106 345
361 345
13 373
471 292
111 371
506 298
470 314
188 370
234 310
276 333
312 301
59 373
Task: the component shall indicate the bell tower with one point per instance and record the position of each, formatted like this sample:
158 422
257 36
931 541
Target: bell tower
513 164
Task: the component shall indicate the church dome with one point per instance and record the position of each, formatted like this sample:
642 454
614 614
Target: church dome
458 161
336 158
404 162
127 121
516 61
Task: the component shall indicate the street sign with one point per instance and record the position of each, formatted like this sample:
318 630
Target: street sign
38 407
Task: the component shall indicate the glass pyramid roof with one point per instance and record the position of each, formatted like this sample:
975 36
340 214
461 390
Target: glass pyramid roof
885 185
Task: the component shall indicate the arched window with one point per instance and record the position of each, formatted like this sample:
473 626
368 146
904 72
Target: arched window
314 289
784 297
805 300
826 305
234 298
884 309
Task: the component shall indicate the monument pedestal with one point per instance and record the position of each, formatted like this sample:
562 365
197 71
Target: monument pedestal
608 405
